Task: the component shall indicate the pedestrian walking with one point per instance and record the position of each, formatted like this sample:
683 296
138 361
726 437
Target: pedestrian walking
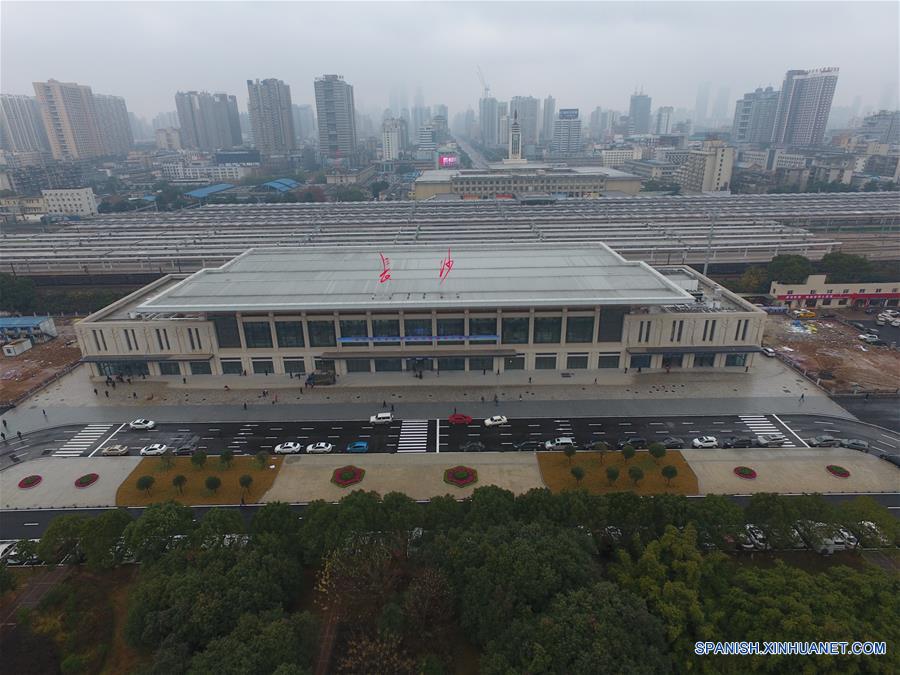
5 425
107 393
802 396
245 405
95 392
595 380
134 394
454 411
19 434
3 436
242 500
384 404
392 407
482 399
484 371
529 380
113 385
183 380
43 412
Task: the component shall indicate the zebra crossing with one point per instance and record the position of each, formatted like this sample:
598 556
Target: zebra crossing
413 436
83 441
760 424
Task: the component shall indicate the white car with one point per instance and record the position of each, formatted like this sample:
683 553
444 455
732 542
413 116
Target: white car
155 449
757 537
768 351
288 448
559 443
141 425
316 448
114 450
495 421
382 418
867 337
705 442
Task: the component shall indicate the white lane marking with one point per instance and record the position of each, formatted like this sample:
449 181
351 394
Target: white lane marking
625 424
802 442
889 444
30 524
213 429
276 429
893 438
656 424
437 442
108 439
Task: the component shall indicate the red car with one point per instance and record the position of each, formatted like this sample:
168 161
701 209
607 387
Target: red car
459 418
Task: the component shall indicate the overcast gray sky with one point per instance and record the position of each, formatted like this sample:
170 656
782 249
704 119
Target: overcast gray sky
584 53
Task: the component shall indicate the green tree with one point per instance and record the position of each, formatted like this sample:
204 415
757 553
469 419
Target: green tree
870 522
7 580
226 458
213 483
245 481
775 516
601 449
145 483
636 474
378 187
669 472
657 451
612 474
276 528
628 453
18 293
27 549
149 536
846 268
569 451
101 537
61 538
262 459
755 279
718 520
216 525
577 474
428 608
167 459
789 269
198 459
179 482
491 505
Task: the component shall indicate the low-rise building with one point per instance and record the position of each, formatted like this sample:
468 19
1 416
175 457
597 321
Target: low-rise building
707 169
72 202
213 173
168 139
816 291
651 169
350 310
351 177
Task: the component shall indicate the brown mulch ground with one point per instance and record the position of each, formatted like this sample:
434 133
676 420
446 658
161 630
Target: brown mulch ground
556 472
195 492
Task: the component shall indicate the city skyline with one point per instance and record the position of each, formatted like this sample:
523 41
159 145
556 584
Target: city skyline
476 35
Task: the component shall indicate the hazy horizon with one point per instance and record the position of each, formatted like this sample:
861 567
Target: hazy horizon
584 54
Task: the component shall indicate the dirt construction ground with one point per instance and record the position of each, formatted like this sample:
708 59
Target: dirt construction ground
826 347
22 373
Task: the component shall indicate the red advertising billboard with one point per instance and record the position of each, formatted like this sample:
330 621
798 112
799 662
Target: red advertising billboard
448 161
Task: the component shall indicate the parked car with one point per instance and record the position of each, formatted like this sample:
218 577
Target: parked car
358 446
855 444
893 459
868 337
528 446
860 326
737 442
757 537
771 440
768 351
560 443
319 448
797 542
672 443
635 442
114 450
186 445
288 448
155 449
705 442
382 418
460 419
472 446
824 441
495 421
141 425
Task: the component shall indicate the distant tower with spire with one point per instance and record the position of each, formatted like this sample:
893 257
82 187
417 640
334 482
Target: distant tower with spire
515 139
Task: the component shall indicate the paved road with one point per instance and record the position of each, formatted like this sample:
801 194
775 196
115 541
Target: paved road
884 412
478 160
419 435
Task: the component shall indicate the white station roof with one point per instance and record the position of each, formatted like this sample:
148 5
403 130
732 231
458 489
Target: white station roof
349 278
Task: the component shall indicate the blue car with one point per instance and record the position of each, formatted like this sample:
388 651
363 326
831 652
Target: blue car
358 446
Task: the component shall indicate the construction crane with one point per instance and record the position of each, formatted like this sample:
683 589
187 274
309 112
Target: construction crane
487 89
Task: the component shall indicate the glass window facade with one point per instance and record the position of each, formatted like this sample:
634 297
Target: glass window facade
451 327
263 366
672 360
608 361
227 331
324 364
704 360
640 360
516 362
169 368
580 329
417 328
485 363
321 333
515 330
545 362
452 363
480 326
231 366
359 366
388 365
113 368
612 319
289 334
354 328
736 360
577 361
201 368
295 366
548 329
386 328
257 335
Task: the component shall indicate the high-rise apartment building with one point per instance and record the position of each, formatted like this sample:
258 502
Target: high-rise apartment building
426 140
440 110
488 119
719 111
70 119
393 138
304 122
883 126
701 103
114 124
754 116
803 106
639 114
548 119
166 120
567 131
664 119
421 115
208 121
271 116
707 169
21 125
526 109
336 115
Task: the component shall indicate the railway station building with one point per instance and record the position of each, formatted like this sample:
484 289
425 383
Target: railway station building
415 308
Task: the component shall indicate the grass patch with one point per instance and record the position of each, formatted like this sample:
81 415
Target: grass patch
557 473
194 491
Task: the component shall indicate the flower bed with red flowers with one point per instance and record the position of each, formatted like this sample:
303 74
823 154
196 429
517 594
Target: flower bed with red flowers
347 475
86 480
461 476
838 471
30 482
744 472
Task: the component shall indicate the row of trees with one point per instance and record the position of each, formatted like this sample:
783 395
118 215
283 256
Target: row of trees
793 269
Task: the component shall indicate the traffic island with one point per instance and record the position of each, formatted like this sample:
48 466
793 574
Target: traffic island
196 488
58 487
611 472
